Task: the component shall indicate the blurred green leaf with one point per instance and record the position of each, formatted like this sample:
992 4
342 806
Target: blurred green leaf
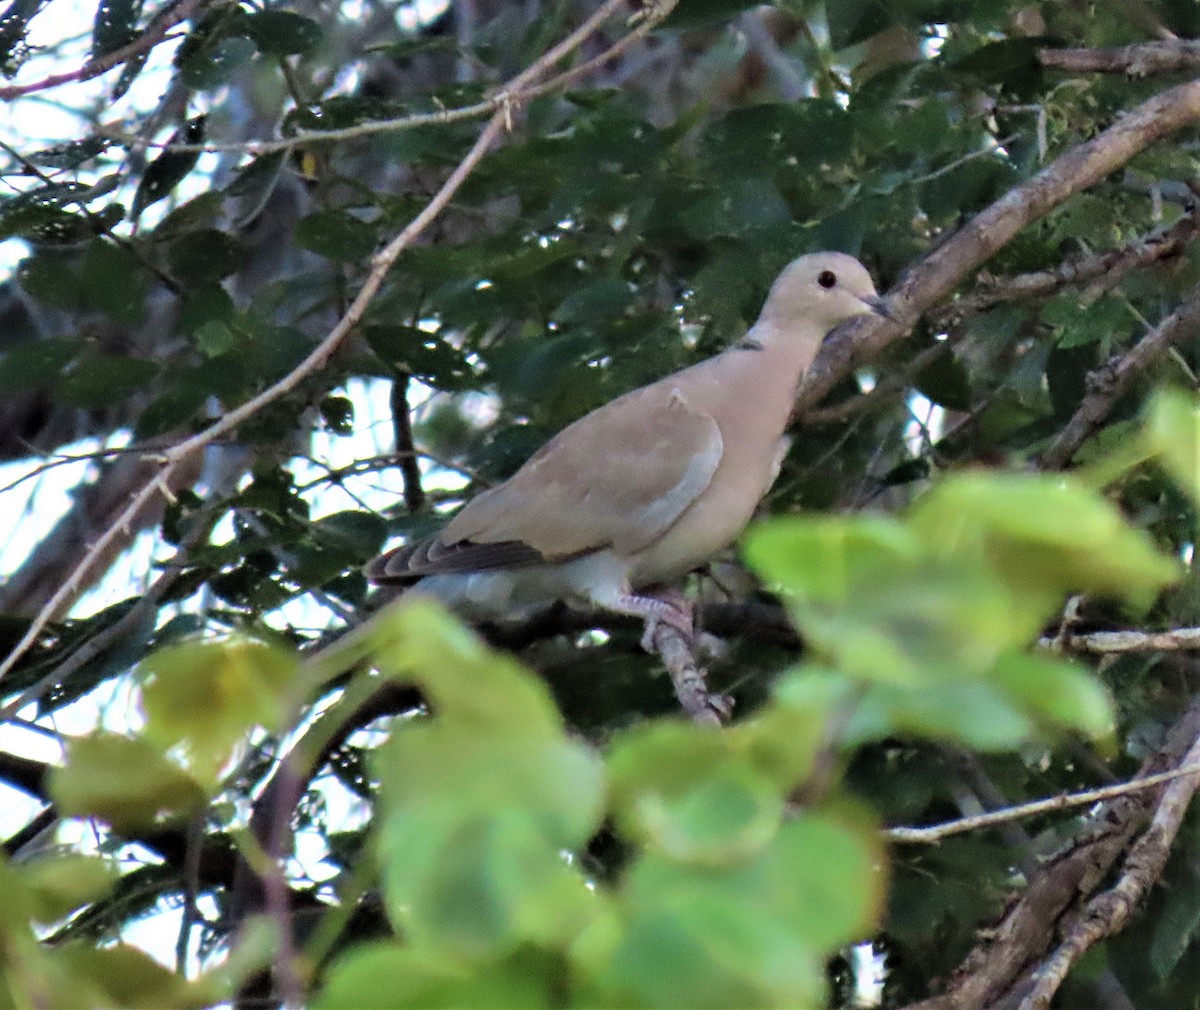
127 782
688 793
204 256
62 883
114 25
1173 434
114 281
205 696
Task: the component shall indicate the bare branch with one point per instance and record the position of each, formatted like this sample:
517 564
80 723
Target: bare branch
1176 56
1108 384
156 32
931 834
1108 912
1110 642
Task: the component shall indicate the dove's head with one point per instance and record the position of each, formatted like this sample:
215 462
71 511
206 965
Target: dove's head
823 289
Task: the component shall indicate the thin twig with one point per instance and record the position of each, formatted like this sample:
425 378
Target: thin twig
156 32
936 832
1110 642
406 455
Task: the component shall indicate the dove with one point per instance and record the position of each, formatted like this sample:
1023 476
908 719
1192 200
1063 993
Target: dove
632 497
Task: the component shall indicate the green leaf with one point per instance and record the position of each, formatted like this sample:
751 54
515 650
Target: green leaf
169 169
14 24
753 934
35 363
337 415
1053 691
852 21
479 886
741 208
337 235
97 380
479 802
204 256
945 381
114 25
820 557
50 278
1173 434
114 281
254 183
63 882
70 154
360 534
124 976
214 61
1042 533
419 641
1177 928
125 781
282 33
423 980
689 794
595 303
972 713
206 696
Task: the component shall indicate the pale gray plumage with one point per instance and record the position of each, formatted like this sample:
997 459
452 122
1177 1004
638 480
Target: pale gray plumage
650 486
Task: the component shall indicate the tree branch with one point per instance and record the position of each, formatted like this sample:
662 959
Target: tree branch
156 32
1108 912
1176 56
1108 384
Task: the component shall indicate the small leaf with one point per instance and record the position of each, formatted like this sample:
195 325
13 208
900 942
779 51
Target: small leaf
35 363
97 380
1177 928
206 696
1173 433
282 33
114 25
687 793
337 235
124 781
170 168
204 256
112 280
61 883
1057 693
254 183
71 153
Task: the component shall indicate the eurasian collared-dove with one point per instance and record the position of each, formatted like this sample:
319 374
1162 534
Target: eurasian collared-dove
648 487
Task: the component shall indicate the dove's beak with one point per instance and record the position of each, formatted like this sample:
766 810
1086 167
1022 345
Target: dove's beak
877 305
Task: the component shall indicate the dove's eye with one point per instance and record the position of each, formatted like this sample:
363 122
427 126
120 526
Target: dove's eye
827 279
